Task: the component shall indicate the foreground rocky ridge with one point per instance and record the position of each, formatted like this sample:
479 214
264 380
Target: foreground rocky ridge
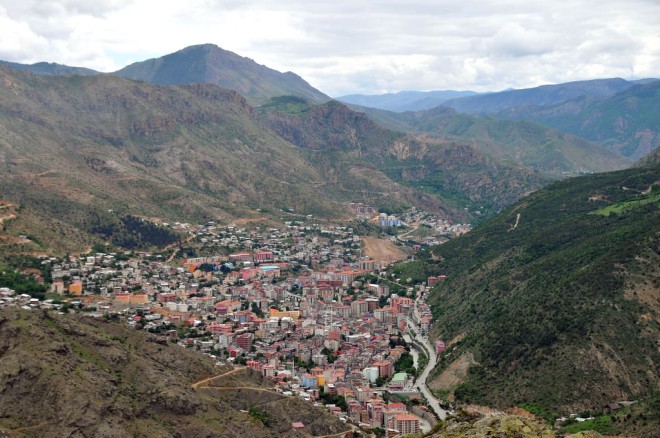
70 375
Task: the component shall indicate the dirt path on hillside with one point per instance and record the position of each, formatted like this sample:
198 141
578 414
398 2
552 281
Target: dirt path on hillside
208 379
6 218
379 249
516 224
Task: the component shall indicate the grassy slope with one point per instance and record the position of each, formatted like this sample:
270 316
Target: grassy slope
562 311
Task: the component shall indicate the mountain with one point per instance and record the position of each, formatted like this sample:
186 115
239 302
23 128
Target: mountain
525 143
50 69
404 100
348 146
627 122
554 303
82 157
539 96
71 375
74 148
208 63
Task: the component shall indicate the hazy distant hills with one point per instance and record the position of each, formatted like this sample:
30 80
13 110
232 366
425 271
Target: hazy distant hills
623 116
627 122
50 69
554 302
538 96
404 100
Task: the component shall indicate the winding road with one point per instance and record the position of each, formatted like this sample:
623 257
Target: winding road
421 380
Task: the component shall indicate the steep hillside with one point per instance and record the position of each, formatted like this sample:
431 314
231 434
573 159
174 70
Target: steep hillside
208 63
524 143
555 303
627 123
541 96
404 100
73 148
337 138
68 375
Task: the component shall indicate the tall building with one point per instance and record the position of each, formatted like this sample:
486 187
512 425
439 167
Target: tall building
245 341
406 424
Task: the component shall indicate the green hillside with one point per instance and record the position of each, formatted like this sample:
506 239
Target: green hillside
555 303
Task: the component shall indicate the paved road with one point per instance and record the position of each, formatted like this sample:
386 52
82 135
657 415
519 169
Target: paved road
421 381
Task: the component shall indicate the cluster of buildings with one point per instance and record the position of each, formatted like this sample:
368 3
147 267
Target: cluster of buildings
298 304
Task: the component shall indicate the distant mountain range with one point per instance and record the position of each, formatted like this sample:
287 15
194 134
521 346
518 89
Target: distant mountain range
540 96
623 116
627 122
50 69
204 64
404 100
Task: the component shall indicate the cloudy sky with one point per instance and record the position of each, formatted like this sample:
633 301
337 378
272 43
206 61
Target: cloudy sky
354 46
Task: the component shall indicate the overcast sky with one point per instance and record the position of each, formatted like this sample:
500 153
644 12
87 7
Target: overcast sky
354 46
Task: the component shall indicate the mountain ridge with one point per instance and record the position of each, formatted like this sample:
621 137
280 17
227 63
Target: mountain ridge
627 122
404 100
554 303
542 95
201 63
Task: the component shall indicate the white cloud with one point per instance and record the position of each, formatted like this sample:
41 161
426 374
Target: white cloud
347 46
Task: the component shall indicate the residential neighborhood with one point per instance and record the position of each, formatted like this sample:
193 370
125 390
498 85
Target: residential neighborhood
299 304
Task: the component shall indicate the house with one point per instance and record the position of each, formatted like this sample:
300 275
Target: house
76 288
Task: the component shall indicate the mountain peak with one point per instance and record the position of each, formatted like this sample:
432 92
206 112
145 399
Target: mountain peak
208 63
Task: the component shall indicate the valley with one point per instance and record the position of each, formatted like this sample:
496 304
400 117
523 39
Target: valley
217 248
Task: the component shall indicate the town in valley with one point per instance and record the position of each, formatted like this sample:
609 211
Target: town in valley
314 307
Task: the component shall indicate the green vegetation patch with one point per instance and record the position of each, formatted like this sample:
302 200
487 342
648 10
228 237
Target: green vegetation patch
627 205
602 424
